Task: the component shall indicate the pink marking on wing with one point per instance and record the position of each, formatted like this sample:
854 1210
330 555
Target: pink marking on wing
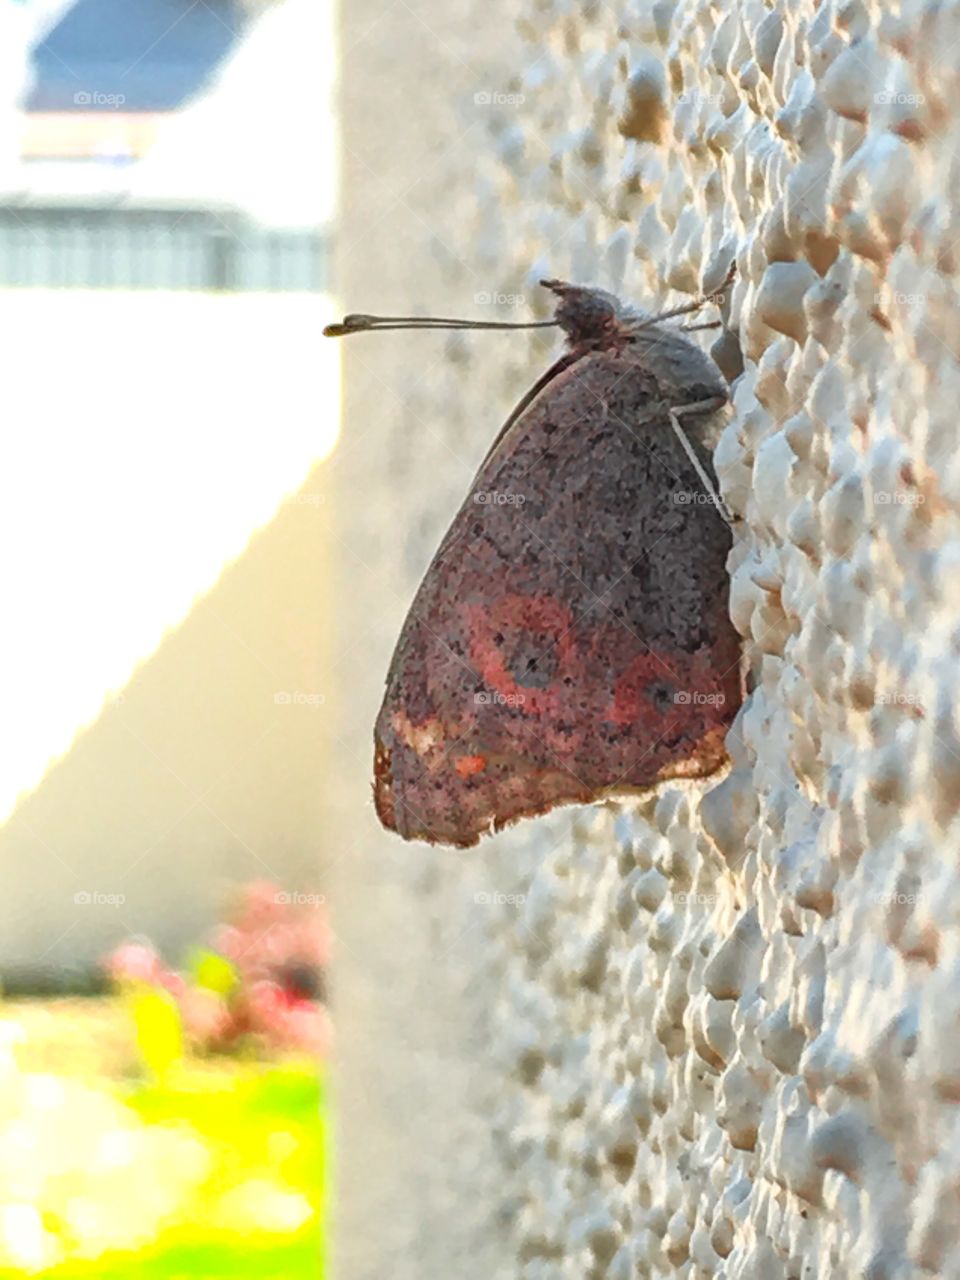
543 617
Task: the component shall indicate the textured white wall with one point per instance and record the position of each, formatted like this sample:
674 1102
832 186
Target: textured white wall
721 1034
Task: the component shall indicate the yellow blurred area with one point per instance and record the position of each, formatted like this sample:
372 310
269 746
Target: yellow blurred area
84 1175
66 134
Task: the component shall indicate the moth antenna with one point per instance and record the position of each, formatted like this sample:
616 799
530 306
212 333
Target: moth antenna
359 323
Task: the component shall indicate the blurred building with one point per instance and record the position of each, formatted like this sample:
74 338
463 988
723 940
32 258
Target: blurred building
165 185
161 101
142 56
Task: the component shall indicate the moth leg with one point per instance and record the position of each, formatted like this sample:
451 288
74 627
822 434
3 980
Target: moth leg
708 324
686 308
700 406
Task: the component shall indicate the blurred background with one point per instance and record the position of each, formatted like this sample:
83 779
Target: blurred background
166 191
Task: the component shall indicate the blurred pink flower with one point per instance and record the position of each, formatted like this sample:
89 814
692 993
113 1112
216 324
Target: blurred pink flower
206 1017
278 945
270 932
134 961
289 1020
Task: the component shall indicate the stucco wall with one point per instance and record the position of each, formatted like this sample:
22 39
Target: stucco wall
719 1034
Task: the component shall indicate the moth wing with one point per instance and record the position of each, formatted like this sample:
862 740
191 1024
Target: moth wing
571 638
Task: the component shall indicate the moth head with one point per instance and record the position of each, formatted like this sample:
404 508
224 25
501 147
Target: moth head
590 316
594 320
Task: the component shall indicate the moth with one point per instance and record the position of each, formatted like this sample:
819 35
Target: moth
571 639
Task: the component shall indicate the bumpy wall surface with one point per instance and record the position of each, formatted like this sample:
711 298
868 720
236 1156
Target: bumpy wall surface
716 1034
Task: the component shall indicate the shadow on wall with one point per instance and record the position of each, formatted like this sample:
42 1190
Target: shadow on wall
210 769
